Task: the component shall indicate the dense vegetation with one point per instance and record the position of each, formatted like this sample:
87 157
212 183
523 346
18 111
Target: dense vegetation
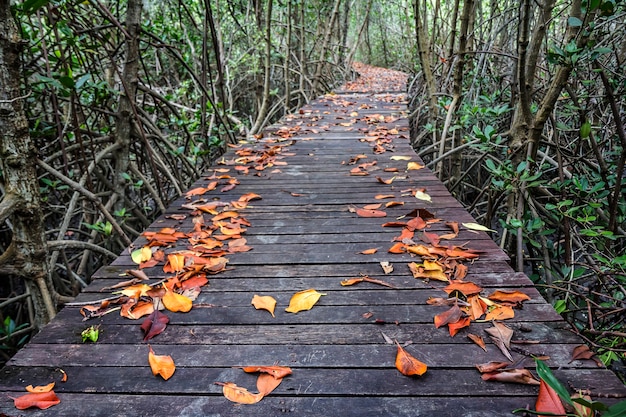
517 106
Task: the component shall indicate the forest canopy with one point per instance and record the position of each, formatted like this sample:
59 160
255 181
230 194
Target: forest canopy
109 110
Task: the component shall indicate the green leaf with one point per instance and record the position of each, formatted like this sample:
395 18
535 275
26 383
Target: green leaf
616 410
31 6
546 374
585 129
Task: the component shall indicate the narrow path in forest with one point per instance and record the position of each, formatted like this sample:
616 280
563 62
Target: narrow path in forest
331 199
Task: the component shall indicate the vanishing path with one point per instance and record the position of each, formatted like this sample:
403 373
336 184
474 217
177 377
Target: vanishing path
315 172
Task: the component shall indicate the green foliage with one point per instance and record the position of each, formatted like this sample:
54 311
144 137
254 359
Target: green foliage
8 339
91 334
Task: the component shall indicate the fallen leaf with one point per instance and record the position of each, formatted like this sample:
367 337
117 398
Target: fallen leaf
370 213
175 262
476 226
141 255
508 296
583 352
266 383
414 166
352 281
41 400
303 300
491 366
369 251
265 302
40 388
467 288
154 325
454 328
384 181
277 372
161 365
400 158
501 335
384 196
582 410
175 302
517 376
407 364
421 195
387 267
548 400
238 394
372 206
449 316
500 313
478 340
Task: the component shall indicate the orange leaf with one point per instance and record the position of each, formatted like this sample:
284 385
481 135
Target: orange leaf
249 197
407 364
277 372
454 328
394 204
41 400
40 388
383 196
369 251
370 213
373 206
500 313
548 400
265 383
175 302
397 248
412 166
383 181
491 366
467 288
238 394
449 316
161 365
175 262
508 296
478 340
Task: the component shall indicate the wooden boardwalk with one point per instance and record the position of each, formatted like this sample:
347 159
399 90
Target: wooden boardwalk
304 233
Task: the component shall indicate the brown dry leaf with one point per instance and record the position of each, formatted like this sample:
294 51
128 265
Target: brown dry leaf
238 394
41 400
583 352
154 325
384 196
407 364
449 316
370 213
491 366
303 300
175 302
478 340
265 302
372 206
161 365
383 181
501 335
40 388
387 267
517 376
508 296
352 281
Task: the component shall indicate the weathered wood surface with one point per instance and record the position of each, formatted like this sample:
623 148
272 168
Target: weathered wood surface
304 236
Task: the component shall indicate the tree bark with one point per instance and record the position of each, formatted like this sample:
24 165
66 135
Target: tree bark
27 251
267 64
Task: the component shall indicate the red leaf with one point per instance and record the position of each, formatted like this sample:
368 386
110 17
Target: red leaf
548 400
154 324
370 213
41 400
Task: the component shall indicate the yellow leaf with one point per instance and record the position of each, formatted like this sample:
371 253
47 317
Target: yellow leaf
265 302
161 365
141 255
476 226
303 300
177 261
175 302
136 291
414 166
421 195
400 158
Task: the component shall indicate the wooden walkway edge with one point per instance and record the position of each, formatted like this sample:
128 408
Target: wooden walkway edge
304 233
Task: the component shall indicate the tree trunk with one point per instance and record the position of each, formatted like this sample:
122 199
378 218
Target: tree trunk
26 255
267 65
126 112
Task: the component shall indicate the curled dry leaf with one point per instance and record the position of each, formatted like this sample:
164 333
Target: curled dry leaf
264 302
491 366
161 365
407 364
454 328
238 394
40 388
387 267
265 383
41 400
449 316
478 340
501 335
303 300
154 325
275 371
517 376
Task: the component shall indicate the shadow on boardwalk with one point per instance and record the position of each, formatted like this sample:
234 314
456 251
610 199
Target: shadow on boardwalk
325 176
